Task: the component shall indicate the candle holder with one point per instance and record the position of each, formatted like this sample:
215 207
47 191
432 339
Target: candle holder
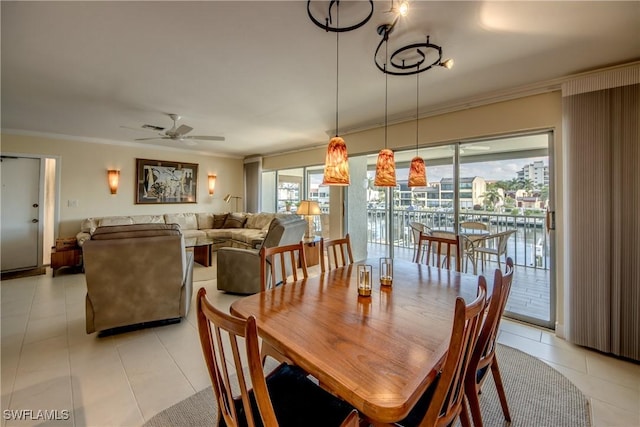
365 276
386 271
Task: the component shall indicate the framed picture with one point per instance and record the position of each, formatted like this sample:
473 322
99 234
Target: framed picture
160 181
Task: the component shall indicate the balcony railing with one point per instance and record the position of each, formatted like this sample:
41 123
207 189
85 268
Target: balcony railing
529 246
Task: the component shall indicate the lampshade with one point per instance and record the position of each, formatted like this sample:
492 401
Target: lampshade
113 177
227 198
212 184
336 165
308 207
385 169
417 173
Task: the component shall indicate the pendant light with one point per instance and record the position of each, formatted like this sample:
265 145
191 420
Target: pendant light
417 170
336 164
386 164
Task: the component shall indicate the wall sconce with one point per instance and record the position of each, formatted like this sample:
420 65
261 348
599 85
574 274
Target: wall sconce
212 184
113 177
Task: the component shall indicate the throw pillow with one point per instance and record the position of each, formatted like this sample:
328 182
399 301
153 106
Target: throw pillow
235 220
205 221
219 220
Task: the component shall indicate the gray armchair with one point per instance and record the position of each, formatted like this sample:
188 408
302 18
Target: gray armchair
136 274
238 270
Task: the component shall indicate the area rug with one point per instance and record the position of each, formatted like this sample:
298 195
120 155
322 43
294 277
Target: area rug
538 395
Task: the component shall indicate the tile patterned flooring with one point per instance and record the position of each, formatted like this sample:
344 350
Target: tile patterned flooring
49 362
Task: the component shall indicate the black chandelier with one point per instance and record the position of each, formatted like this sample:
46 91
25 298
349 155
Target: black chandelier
409 59
327 25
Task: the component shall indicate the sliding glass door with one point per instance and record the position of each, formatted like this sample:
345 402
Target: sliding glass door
500 184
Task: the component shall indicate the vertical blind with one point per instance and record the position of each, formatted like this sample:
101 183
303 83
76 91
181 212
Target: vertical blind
601 129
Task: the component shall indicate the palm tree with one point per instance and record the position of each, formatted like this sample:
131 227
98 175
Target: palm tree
491 197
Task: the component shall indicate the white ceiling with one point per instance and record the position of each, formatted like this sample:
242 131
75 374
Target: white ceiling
262 75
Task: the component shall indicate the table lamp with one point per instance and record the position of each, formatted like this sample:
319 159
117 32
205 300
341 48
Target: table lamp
309 208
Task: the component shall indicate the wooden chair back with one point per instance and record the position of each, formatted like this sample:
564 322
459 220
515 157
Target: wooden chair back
338 253
219 337
484 356
281 259
228 360
448 401
440 249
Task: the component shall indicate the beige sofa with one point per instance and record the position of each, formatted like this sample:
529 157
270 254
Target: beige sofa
238 230
136 275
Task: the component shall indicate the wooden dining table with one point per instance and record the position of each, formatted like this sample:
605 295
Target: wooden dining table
380 352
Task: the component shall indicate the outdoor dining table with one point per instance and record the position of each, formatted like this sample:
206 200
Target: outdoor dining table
380 352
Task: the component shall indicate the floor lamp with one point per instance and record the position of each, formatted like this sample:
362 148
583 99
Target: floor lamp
228 198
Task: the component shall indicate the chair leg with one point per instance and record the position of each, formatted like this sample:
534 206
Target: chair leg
497 379
464 415
472 392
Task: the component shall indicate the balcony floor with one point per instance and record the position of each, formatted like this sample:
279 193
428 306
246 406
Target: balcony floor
530 291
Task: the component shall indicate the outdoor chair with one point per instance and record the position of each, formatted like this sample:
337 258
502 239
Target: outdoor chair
492 244
417 228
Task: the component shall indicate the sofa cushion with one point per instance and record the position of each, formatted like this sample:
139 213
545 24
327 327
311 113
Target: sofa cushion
148 219
260 221
235 220
115 220
111 232
247 235
186 221
218 220
205 220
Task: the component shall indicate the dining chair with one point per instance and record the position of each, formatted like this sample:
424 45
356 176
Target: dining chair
281 259
445 400
484 354
284 397
338 253
439 245
492 244
417 228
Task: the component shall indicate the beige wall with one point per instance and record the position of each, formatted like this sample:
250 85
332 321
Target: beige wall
83 178
531 113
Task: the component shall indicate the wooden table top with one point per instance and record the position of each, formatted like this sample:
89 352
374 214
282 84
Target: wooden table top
379 353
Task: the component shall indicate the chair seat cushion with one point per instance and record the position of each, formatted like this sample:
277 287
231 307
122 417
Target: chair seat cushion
419 410
298 401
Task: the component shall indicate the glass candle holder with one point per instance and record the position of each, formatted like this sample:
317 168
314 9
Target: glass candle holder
386 271
365 277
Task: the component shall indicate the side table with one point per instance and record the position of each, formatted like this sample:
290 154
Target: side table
71 258
312 251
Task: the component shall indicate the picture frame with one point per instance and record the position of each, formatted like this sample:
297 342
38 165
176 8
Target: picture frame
161 181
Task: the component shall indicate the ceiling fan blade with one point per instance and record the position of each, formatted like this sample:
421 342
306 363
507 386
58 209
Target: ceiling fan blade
183 130
150 139
207 138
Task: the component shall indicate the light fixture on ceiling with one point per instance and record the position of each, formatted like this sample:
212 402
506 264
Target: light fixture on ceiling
386 164
328 20
336 165
113 178
417 169
409 59
309 208
212 184
402 9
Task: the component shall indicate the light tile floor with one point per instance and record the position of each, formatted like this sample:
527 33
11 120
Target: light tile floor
50 363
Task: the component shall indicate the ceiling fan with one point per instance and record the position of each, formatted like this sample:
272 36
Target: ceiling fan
178 133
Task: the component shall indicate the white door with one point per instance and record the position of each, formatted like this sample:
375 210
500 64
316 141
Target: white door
20 212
